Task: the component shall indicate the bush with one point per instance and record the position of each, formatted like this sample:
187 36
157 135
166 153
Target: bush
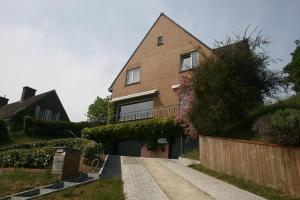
243 128
147 131
27 158
46 128
75 143
282 127
4 137
37 155
91 152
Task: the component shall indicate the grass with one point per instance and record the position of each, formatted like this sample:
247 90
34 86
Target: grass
192 154
103 189
17 181
262 191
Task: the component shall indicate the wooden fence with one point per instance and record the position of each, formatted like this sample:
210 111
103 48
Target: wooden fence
263 163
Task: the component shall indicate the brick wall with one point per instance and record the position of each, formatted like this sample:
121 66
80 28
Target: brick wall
160 65
158 153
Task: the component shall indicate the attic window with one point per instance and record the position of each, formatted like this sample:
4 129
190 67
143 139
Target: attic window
160 40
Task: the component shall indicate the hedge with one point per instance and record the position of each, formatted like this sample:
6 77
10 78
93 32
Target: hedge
76 143
242 129
147 131
27 158
282 127
45 128
4 137
37 155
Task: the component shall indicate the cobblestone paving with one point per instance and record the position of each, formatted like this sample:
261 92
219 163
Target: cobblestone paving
215 188
138 183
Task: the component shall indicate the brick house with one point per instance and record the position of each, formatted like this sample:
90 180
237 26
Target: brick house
46 106
146 86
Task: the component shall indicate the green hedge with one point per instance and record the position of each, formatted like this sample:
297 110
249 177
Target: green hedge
27 158
4 137
45 128
282 127
37 155
242 129
76 143
147 131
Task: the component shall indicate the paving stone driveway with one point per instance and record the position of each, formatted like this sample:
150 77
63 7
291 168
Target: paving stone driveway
160 179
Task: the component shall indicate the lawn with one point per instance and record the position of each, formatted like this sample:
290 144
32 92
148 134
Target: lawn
262 191
17 181
192 154
103 189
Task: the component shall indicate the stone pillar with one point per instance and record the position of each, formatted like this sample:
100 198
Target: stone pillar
66 163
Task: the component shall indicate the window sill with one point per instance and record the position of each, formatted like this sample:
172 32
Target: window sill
129 84
187 70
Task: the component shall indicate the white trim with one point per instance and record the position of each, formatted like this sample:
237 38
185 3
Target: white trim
135 95
175 86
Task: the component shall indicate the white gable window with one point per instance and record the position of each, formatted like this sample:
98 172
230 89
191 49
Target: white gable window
189 61
37 112
48 114
133 76
56 116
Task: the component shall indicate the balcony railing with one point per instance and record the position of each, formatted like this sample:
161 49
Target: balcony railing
160 113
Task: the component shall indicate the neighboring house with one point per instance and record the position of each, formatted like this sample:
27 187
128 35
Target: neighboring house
146 86
46 106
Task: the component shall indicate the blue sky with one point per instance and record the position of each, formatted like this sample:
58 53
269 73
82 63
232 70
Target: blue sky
78 47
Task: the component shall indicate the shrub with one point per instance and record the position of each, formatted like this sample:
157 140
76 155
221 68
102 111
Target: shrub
4 137
91 152
242 129
46 128
76 143
27 158
147 131
37 155
282 127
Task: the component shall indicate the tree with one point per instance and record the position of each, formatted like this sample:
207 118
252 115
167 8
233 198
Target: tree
230 83
100 110
293 68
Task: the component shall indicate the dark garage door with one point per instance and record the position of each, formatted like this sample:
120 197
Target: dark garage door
130 147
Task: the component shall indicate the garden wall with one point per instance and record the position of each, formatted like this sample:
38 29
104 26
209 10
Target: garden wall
263 163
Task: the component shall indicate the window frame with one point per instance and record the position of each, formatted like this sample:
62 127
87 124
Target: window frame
160 40
135 68
189 55
130 103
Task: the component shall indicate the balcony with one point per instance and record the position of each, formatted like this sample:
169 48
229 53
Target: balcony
157 113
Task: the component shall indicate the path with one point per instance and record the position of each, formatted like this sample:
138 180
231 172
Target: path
162 179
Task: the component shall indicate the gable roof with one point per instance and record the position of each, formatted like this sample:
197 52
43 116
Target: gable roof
11 109
242 44
161 15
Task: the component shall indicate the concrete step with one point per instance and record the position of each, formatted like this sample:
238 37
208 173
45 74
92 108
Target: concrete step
45 191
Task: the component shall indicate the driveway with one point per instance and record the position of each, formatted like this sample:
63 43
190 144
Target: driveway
162 179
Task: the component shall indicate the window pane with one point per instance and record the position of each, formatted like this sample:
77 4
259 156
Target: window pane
186 62
129 76
133 76
136 75
195 59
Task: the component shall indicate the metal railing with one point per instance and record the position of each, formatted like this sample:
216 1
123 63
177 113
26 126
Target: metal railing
160 113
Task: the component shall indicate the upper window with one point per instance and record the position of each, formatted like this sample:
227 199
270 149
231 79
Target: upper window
160 40
133 76
189 60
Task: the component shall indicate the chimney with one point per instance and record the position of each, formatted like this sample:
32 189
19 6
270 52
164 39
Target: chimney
3 101
27 93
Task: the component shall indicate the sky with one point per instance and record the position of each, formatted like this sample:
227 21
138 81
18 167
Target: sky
77 47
